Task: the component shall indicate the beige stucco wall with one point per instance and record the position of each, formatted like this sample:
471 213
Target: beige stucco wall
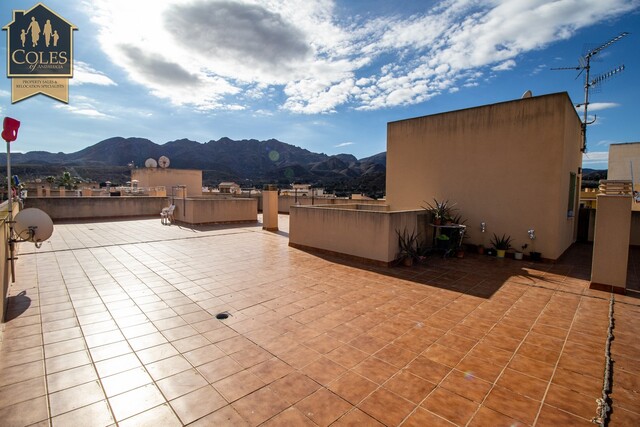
5 275
611 242
67 208
505 164
167 177
206 210
349 230
621 157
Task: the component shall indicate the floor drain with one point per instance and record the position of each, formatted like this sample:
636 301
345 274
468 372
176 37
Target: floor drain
222 316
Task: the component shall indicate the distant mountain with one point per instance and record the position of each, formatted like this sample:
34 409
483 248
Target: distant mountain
225 159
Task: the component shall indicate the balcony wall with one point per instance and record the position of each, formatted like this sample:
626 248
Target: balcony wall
209 211
355 231
69 208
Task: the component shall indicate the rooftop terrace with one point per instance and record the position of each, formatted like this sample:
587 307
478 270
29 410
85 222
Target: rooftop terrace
113 323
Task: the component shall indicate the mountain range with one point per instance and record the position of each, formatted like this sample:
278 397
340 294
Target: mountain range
245 161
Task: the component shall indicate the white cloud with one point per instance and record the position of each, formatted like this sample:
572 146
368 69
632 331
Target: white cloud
595 157
83 73
83 106
504 66
598 106
223 54
344 144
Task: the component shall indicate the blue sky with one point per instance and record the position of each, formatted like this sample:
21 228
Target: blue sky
323 75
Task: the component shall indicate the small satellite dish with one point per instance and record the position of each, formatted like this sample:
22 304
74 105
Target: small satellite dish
33 225
527 94
163 161
151 163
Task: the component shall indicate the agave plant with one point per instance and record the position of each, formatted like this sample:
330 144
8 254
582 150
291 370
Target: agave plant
502 243
441 210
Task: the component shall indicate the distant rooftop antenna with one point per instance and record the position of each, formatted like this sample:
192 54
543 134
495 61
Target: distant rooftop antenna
585 65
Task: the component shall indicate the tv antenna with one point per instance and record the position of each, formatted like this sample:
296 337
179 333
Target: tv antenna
585 65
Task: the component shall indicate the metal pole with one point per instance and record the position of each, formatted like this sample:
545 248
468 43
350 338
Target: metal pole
586 104
10 213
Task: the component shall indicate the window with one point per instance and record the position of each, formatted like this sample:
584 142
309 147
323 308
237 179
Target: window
573 179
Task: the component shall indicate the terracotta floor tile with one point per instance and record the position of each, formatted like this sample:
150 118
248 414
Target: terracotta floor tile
71 378
197 404
103 338
520 383
323 407
125 381
367 343
386 407
202 355
238 385
167 367
270 370
409 386
20 357
443 355
478 367
294 387
428 369
299 356
161 415
25 413
259 406
22 391
626 399
395 355
487 351
467 385
456 342
583 384
97 414
147 341
136 401
356 418
219 369
570 401
234 344
75 397
347 355
289 417
251 356
375 370
450 406
108 351
512 404
117 364
541 354
157 353
421 417
225 416
553 417
489 417
352 387
323 370
622 417
531 367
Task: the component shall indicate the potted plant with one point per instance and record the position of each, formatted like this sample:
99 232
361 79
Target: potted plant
519 254
534 256
408 245
441 211
501 244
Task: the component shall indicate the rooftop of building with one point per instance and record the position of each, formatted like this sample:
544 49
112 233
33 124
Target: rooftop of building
114 322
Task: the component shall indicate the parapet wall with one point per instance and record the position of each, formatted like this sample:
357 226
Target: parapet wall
69 208
356 231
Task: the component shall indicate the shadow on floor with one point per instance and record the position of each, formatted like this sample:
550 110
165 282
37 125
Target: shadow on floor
16 305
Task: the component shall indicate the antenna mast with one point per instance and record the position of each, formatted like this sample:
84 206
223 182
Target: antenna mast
585 65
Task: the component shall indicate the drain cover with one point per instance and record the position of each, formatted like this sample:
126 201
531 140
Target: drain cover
222 316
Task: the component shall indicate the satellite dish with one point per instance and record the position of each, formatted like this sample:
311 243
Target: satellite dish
33 225
527 94
163 161
151 163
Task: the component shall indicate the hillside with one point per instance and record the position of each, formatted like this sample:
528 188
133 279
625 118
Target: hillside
249 162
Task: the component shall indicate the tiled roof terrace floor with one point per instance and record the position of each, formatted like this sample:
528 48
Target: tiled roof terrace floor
113 323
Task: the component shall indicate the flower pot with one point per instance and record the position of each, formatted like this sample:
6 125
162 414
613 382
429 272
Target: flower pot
517 255
480 249
501 253
407 262
460 253
535 256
